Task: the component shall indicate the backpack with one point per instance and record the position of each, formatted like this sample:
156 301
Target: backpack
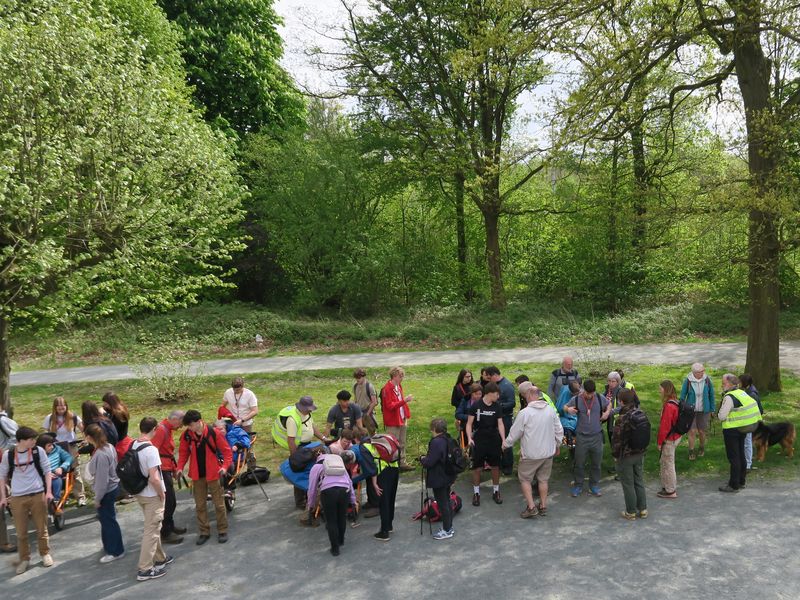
206 441
367 463
685 419
129 470
11 465
455 462
638 431
255 475
387 446
333 465
300 459
430 508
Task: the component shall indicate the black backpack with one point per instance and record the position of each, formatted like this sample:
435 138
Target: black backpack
129 471
11 464
302 457
685 419
638 431
455 462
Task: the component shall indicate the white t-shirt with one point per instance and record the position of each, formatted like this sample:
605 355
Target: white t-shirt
62 433
242 404
148 458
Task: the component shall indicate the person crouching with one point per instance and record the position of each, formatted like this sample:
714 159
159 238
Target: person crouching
329 479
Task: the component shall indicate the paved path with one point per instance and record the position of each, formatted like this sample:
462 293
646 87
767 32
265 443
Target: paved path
718 355
582 549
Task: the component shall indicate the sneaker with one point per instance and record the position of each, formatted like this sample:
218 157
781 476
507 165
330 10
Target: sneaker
171 538
666 494
222 538
202 539
595 491
728 489
643 514
382 536
442 535
160 564
628 516
529 512
111 558
496 497
451 531
150 574
179 530
82 501
476 499
47 560
576 491
22 567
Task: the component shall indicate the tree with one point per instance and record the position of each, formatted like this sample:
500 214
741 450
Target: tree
448 76
713 43
115 196
232 51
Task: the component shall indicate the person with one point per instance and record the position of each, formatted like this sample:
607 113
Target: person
562 377
165 444
462 414
344 442
486 432
746 383
27 470
461 388
242 403
59 460
630 461
118 413
103 469
615 384
739 415
485 378
371 508
209 457
668 440
437 478
384 483
540 431
65 424
519 380
568 422
335 494
90 413
591 409
342 415
396 413
367 399
8 438
698 390
152 559
507 400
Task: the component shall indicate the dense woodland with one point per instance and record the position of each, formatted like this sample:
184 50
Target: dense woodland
154 153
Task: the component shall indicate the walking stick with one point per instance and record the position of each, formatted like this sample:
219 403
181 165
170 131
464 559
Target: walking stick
251 471
421 499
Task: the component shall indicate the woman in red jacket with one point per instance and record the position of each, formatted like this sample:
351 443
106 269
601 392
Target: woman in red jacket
396 413
205 469
668 441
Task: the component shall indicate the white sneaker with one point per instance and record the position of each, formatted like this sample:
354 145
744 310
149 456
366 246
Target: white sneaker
47 560
22 567
111 558
443 535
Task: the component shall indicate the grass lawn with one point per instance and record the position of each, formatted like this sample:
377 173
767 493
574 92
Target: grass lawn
431 387
213 330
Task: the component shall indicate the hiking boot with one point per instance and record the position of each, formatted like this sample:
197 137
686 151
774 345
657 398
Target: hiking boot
666 494
692 455
8 548
111 558
202 539
47 560
476 499
595 491
369 513
643 514
576 491
628 516
496 497
728 489
179 530
22 567
442 535
335 551
171 538
161 564
542 511
222 538
529 512
150 574
382 536
702 452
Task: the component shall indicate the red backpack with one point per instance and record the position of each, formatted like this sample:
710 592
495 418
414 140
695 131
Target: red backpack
387 446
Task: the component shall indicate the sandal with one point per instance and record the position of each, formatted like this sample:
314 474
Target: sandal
691 455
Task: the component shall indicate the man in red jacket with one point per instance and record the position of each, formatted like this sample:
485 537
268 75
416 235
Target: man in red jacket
396 413
163 441
210 458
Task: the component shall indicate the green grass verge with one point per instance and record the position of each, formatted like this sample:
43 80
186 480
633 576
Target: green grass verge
212 330
431 386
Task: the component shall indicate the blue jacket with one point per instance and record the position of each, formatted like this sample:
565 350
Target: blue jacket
568 421
462 412
508 397
237 436
687 395
59 458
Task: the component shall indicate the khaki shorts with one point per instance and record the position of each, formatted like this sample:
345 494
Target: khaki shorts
701 421
534 468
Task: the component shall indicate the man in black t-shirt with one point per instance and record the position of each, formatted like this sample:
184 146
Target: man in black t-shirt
486 432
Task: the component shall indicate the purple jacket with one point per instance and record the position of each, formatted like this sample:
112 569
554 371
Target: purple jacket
318 481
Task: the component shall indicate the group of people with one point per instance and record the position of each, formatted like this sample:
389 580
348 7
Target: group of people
572 412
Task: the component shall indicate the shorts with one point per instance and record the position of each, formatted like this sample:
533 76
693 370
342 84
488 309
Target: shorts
488 449
534 468
701 421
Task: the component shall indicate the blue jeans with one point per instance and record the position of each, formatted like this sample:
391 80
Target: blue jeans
57 484
110 532
748 449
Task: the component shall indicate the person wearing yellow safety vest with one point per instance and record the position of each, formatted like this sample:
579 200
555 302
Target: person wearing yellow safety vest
385 485
739 415
614 384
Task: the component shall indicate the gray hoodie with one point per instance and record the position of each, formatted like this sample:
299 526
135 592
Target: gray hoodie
539 428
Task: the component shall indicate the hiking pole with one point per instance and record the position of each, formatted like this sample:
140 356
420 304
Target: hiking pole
258 481
421 499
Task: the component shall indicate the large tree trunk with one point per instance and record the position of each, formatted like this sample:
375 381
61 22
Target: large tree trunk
491 217
5 364
461 237
640 188
763 146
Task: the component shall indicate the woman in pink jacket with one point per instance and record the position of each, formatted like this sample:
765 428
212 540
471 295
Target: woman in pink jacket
667 440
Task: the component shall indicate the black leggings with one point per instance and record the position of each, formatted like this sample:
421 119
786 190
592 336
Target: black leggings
442 496
387 481
170 503
334 505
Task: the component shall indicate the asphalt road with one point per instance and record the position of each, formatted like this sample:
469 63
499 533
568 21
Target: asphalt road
717 355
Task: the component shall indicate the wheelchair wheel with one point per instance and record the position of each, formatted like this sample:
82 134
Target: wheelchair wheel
230 501
59 520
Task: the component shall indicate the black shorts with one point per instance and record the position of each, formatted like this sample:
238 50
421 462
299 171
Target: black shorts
488 450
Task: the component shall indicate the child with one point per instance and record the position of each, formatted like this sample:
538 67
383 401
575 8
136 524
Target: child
568 422
60 462
343 443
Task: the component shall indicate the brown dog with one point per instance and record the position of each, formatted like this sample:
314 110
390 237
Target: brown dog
767 435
